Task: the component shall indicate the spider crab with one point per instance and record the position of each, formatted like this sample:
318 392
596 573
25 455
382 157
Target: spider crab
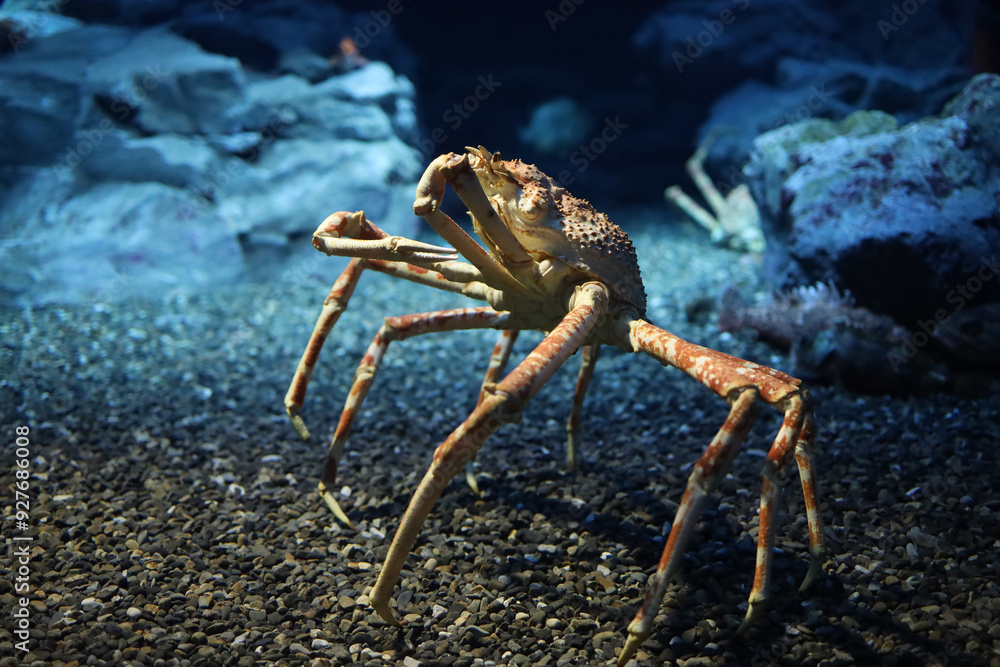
734 220
553 263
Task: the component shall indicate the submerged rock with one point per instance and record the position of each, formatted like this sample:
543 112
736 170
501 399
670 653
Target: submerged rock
833 340
833 90
137 163
905 218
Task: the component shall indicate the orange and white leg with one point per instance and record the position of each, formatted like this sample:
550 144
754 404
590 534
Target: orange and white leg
744 384
498 362
587 363
708 472
335 304
394 328
499 406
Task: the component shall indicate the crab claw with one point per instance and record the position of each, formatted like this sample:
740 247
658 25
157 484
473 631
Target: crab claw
344 224
347 234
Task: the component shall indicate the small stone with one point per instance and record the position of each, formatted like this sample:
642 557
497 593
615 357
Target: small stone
90 604
555 624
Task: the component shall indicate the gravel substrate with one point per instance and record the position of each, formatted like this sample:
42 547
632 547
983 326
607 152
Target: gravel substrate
175 519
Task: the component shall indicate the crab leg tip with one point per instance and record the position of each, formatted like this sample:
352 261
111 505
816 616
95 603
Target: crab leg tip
298 423
632 645
383 609
470 479
334 506
815 568
753 613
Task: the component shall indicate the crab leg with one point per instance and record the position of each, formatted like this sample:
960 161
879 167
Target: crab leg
695 167
696 211
498 362
394 328
334 305
430 192
708 472
345 234
741 383
589 306
463 179
790 436
590 354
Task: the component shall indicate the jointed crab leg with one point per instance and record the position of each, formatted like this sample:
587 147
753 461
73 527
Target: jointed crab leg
498 362
463 179
506 400
346 234
333 306
742 383
590 354
704 184
708 471
394 328
430 192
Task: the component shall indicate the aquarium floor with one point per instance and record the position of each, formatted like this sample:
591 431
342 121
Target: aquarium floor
175 520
